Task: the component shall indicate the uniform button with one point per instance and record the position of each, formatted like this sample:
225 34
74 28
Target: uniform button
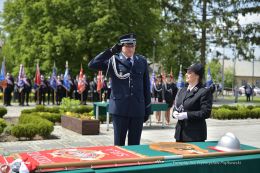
132 94
132 86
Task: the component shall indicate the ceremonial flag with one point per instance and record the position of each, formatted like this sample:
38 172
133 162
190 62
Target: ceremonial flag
99 81
163 74
152 81
20 83
209 81
180 83
171 74
66 80
81 83
53 80
3 82
37 80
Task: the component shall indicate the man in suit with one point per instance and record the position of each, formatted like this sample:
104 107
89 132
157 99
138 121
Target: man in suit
193 105
42 91
93 89
8 90
130 99
27 90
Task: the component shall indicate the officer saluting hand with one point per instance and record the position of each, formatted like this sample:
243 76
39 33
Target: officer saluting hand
130 99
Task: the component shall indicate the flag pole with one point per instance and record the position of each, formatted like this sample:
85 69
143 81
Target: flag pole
38 90
81 98
155 159
4 84
3 96
38 95
54 91
54 96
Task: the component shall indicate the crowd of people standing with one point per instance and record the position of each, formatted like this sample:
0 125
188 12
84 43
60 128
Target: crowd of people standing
164 89
45 94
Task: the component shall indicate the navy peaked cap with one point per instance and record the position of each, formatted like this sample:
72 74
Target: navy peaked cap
128 39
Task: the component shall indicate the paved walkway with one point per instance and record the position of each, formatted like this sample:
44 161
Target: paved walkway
248 131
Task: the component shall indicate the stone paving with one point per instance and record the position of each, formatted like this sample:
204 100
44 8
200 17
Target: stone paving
248 131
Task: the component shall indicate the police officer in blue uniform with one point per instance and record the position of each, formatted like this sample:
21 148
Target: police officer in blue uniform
130 98
193 105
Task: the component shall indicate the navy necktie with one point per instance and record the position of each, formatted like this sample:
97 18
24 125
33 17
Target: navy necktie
129 62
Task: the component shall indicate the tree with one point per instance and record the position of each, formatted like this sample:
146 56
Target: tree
179 43
215 69
229 77
73 30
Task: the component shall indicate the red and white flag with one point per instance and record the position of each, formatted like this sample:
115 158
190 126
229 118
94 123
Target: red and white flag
99 81
37 80
81 82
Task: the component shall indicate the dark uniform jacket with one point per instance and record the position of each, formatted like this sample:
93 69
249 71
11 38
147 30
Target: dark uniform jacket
170 92
129 97
28 85
158 91
197 103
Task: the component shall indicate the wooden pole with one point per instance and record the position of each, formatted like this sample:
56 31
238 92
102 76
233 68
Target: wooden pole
38 95
3 95
54 97
146 159
81 95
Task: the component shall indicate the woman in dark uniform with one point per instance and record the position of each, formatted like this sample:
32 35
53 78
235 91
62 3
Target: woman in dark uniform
193 105
158 94
170 91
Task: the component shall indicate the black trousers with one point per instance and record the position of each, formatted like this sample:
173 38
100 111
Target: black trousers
7 96
131 125
248 97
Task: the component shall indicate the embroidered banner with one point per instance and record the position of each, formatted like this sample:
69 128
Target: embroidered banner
74 155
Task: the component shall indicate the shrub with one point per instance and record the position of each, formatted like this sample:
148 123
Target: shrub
28 130
250 107
52 110
2 125
82 109
40 108
3 111
228 107
44 126
222 113
68 104
53 117
255 113
8 129
28 111
241 112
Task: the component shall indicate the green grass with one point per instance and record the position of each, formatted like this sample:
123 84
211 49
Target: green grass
241 99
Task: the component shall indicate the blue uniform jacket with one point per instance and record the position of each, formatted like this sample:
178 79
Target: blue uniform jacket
129 97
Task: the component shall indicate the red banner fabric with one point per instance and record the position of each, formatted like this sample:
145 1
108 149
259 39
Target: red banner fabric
71 155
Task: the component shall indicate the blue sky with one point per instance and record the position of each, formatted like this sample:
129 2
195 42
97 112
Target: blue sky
1 4
243 20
